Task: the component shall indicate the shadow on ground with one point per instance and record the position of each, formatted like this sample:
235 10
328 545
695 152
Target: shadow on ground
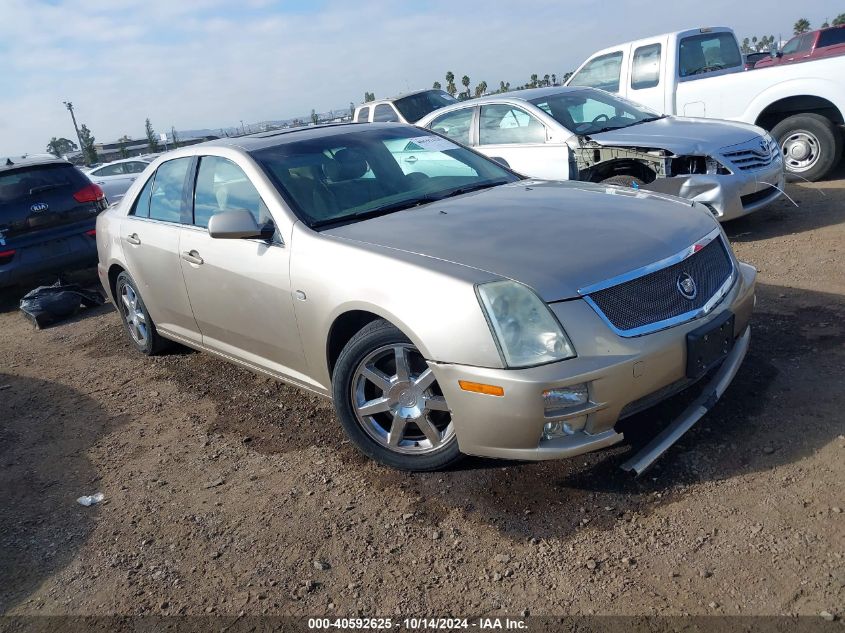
46 431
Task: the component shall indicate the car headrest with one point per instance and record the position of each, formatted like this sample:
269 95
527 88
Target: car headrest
346 165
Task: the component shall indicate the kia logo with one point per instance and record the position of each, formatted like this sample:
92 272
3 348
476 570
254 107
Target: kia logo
39 207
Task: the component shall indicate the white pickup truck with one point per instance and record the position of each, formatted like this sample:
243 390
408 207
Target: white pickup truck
699 73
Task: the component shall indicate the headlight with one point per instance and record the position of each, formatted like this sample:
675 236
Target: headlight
526 330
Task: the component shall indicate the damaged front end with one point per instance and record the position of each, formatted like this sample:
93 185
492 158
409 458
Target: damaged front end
702 178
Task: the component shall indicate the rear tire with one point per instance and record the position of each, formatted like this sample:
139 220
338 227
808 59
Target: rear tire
624 181
389 403
136 320
811 146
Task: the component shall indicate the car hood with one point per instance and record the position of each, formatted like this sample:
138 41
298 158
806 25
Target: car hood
555 237
680 135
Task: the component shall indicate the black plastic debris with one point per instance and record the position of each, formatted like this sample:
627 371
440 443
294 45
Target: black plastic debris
47 305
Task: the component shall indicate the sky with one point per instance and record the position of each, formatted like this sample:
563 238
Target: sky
198 64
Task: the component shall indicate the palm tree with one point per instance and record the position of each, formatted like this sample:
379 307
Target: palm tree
839 20
450 83
480 89
533 83
465 82
436 86
801 26
554 79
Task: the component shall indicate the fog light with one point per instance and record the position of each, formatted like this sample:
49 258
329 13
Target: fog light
563 398
554 430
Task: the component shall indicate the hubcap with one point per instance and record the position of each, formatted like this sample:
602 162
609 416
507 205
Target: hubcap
800 151
398 402
130 306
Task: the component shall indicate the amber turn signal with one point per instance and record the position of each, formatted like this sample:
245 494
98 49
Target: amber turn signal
477 387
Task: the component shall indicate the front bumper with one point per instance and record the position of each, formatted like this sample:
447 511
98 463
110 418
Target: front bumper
728 196
619 372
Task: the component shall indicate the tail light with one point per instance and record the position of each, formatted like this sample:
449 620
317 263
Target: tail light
91 233
6 257
91 193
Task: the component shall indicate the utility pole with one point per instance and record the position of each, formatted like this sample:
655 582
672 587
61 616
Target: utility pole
69 106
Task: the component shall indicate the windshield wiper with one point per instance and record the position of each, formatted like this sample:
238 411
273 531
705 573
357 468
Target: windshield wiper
469 188
372 213
648 120
41 188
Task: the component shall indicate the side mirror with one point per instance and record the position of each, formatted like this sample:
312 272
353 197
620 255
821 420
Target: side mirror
233 225
501 161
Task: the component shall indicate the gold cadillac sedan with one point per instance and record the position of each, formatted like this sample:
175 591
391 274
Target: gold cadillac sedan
445 304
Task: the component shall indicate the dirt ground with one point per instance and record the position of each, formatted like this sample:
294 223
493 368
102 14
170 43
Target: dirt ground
227 492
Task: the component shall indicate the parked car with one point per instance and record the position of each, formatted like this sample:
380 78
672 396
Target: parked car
48 210
699 73
114 178
475 313
751 59
827 42
407 108
592 135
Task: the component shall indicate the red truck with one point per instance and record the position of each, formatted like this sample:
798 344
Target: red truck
822 43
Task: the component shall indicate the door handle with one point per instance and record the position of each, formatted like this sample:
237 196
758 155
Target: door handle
133 239
411 159
192 257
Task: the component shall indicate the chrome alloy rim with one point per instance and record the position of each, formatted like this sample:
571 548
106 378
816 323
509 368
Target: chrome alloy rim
130 306
800 150
398 402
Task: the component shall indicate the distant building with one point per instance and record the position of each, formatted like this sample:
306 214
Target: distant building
138 147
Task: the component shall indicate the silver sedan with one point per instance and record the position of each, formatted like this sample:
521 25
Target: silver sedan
588 134
115 178
453 308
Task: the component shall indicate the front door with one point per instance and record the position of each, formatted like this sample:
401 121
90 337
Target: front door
510 133
149 237
239 288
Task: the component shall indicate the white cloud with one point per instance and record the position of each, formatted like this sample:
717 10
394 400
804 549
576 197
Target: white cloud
203 63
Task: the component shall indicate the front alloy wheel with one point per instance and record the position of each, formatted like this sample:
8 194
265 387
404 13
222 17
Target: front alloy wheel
397 401
389 402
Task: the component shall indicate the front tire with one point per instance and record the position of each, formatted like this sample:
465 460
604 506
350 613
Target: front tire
136 320
811 146
389 402
624 181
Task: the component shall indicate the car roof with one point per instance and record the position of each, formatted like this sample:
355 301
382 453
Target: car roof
261 140
397 97
14 162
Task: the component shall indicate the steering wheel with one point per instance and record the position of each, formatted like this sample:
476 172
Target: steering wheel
601 116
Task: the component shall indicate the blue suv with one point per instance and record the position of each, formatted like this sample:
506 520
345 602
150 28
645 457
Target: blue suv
48 210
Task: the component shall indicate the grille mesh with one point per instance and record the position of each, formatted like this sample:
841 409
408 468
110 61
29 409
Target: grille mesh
752 155
655 297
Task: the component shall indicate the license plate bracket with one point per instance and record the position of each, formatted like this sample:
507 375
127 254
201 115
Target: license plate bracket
708 345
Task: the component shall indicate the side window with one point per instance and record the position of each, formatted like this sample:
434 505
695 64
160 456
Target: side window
509 125
455 125
363 115
109 170
223 186
168 190
600 72
135 167
829 37
384 112
645 68
141 208
709 52
806 43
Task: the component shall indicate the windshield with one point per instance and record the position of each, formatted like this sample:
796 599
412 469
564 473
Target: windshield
359 173
591 111
414 107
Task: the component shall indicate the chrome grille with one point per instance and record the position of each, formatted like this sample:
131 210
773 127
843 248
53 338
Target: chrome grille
653 300
755 154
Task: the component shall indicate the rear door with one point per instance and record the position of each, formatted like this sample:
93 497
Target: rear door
149 235
239 289
510 133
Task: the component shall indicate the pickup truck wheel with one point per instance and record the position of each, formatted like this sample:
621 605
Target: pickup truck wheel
624 181
389 402
811 146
